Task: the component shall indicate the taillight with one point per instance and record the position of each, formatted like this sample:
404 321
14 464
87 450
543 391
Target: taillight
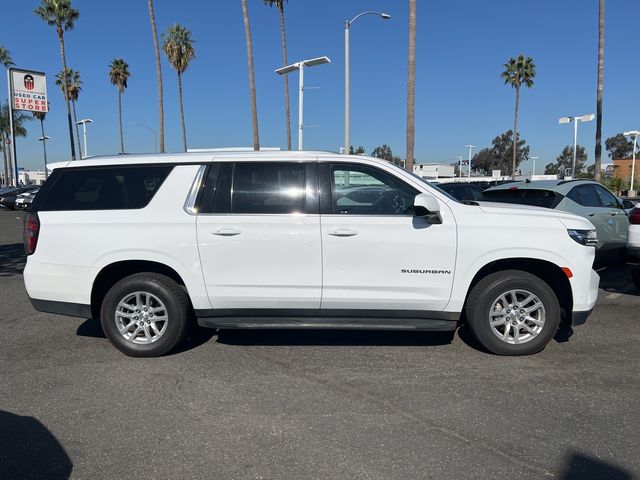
31 231
634 216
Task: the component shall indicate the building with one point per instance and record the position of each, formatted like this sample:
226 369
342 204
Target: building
31 177
434 171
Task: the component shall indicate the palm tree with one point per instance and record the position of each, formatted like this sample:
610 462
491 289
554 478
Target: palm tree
279 4
598 155
6 61
119 75
154 34
411 87
177 45
62 15
19 130
74 84
252 83
518 71
40 115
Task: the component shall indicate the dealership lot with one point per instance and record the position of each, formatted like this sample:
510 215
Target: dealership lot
328 404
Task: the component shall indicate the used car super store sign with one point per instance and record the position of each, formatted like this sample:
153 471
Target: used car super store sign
28 91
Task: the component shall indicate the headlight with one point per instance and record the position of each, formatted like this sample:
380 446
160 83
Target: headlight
588 238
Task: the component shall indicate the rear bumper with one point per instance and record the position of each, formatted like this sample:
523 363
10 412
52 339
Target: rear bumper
62 308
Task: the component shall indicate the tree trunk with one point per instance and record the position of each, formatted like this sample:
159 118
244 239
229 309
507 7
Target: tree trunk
411 86
287 110
252 83
120 121
154 32
184 130
75 122
598 155
515 134
66 91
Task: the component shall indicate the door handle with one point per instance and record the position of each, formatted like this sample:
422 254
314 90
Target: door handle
343 232
227 232
591 214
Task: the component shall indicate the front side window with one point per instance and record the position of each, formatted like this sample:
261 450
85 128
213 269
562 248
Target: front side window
105 188
606 197
364 190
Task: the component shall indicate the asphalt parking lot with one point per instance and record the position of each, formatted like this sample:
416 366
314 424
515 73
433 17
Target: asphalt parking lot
307 405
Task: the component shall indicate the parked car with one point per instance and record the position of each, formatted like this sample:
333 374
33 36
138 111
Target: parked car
586 198
633 246
463 191
266 240
24 200
628 204
8 198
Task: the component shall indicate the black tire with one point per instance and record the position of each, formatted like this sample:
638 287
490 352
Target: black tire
635 275
480 302
175 300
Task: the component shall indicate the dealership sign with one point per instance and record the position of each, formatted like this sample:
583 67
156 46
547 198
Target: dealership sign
28 90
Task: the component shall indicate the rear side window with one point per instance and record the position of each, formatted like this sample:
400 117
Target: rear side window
104 188
585 195
528 196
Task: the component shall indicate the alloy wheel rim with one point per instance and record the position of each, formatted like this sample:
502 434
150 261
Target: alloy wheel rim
517 316
141 318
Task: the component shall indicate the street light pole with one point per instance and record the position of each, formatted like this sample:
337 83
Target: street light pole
312 62
533 170
347 80
84 122
634 134
44 139
575 120
470 147
155 134
460 166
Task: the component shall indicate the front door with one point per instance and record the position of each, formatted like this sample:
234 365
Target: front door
259 236
376 254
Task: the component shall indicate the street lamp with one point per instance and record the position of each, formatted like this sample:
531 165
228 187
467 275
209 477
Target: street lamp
84 122
575 120
460 166
347 115
312 62
155 135
634 134
533 170
470 147
44 139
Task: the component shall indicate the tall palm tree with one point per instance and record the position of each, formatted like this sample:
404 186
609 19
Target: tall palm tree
119 75
411 87
19 130
156 47
252 83
40 115
177 45
74 84
6 61
598 155
62 15
518 71
279 4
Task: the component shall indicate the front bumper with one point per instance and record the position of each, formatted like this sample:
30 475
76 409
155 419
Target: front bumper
580 318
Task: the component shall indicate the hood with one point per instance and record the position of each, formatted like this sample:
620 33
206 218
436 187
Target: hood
569 220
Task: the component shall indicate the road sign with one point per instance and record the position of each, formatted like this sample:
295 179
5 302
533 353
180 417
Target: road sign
496 174
28 90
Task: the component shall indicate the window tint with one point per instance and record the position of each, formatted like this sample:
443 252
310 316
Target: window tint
105 188
585 195
606 197
363 190
267 188
528 196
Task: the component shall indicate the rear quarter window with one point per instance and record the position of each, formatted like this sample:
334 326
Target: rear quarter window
104 188
529 196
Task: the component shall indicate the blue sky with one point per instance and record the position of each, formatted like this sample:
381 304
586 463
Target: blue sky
460 99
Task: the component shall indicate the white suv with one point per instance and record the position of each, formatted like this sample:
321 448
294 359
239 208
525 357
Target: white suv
633 245
297 240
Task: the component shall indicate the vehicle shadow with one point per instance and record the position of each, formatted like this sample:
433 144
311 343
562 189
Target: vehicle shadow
12 259
579 466
28 450
617 279
334 337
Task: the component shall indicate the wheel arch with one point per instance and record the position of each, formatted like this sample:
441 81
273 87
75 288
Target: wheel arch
549 272
114 272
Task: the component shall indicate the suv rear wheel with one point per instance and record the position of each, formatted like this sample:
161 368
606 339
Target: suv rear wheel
145 315
513 313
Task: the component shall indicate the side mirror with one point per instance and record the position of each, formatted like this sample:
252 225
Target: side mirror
425 205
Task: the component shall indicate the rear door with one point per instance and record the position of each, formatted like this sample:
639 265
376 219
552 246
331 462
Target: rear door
259 235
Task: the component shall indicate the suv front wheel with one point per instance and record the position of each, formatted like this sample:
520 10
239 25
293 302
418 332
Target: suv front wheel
513 312
145 315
